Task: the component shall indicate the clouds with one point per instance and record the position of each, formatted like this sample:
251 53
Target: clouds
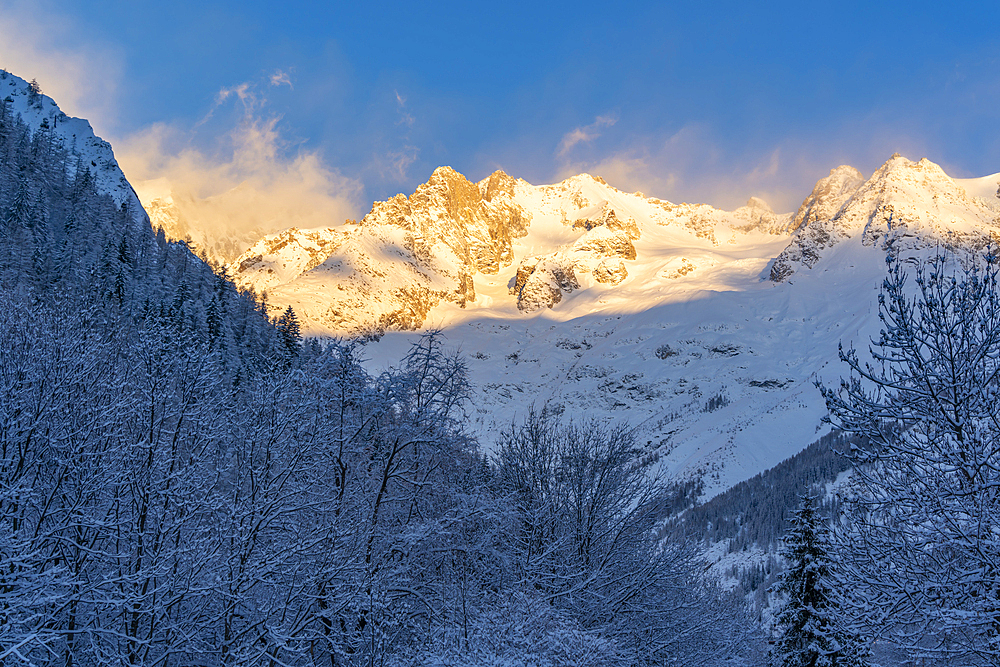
691 165
82 75
249 182
280 78
585 134
698 164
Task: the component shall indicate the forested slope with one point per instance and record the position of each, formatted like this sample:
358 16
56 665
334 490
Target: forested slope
183 481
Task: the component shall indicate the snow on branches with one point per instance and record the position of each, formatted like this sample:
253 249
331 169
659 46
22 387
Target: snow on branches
920 539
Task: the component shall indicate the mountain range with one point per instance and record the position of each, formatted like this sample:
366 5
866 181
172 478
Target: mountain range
705 329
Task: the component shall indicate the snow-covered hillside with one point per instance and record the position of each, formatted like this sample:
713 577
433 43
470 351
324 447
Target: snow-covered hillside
706 328
40 112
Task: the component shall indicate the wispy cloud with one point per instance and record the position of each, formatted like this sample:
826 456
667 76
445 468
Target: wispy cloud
281 78
395 164
248 180
395 149
405 117
692 165
585 134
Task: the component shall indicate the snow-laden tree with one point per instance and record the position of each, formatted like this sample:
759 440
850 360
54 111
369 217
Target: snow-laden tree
584 513
920 542
809 622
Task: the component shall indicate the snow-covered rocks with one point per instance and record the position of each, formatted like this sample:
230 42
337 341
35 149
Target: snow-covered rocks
829 195
542 281
603 242
424 255
404 258
904 204
813 222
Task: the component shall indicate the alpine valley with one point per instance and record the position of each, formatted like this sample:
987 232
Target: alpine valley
707 329
490 423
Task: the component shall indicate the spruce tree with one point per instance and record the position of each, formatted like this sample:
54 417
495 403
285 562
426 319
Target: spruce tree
289 332
808 621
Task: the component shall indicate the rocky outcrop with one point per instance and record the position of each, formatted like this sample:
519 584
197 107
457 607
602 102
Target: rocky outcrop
542 281
610 272
828 196
476 222
814 223
904 204
605 240
607 218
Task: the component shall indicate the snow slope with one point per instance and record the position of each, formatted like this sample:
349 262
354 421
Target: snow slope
713 361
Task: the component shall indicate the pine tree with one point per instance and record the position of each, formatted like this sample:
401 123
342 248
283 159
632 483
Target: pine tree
288 330
810 636
34 93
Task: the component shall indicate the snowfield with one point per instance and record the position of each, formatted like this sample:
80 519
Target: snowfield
713 361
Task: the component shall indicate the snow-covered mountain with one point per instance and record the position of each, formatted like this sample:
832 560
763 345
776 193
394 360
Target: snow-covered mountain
904 205
705 328
502 246
39 111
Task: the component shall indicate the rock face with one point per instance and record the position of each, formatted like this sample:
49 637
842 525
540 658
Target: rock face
606 239
476 222
829 195
404 258
813 223
904 204
513 248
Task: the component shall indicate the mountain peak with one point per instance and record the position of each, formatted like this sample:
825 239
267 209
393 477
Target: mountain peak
828 195
903 204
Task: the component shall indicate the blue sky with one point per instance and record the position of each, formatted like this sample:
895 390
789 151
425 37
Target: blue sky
712 102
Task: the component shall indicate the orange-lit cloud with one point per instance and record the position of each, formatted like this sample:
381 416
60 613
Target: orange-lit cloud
250 184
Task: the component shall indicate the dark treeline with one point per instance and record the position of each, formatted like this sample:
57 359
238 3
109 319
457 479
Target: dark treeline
756 512
184 482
